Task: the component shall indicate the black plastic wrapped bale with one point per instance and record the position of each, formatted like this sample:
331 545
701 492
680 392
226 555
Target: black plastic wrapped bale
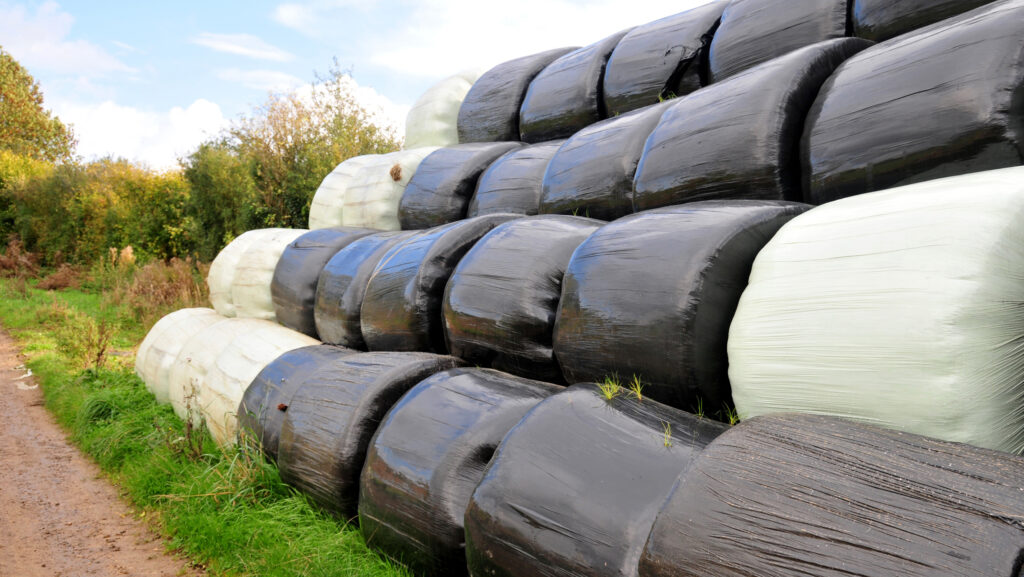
428 456
266 400
652 295
740 138
293 287
756 31
946 101
443 185
809 495
592 173
880 20
575 486
661 59
490 110
402 306
500 303
333 415
512 184
566 96
342 285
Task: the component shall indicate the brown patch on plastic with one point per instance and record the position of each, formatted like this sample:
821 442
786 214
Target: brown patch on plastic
396 172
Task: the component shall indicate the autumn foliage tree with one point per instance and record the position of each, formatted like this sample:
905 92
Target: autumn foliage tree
26 127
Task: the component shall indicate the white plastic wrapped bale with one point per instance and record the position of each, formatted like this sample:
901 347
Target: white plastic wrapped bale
326 209
189 369
164 341
222 270
376 187
900 308
433 119
250 288
235 367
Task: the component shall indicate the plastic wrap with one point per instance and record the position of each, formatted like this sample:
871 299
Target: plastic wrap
490 110
512 184
566 96
660 59
756 31
896 308
441 189
428 456
266 399
342 285
234 369
500 303
188 372
376 189
592 173
402 306
946 101
162 344
808 495
224 265
433 119
574 487
293 287
328 204
880 20
651 296
740 138
250 289
334 413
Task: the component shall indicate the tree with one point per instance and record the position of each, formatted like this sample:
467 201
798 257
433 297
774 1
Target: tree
26 127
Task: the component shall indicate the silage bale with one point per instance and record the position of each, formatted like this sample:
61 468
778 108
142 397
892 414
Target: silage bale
254 274
225 264
500 303
943 101
441 189
566 96
896 308
402 306
234 369
513 182
661 59
342 285
293 287
575 486
756 31
490 110
266 399
164 341
651 296
334 413
809 495
433 119
428 455
880 20
739 138
328 204
377 187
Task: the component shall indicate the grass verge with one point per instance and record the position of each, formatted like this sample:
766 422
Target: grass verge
228 511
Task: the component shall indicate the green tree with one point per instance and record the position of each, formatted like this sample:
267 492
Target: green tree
26 127
222 196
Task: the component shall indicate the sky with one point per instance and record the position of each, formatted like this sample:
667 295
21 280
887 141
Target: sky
150 81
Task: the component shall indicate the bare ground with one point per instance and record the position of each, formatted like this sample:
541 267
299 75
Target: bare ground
58 516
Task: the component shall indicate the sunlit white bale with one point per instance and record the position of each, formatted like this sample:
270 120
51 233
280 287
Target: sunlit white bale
376 187
250 288
433 119
164 341
328 203
903 308
222 270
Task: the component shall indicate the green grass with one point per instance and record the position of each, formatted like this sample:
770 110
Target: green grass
227 511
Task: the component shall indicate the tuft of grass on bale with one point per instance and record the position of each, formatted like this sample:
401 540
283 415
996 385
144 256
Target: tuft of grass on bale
227 510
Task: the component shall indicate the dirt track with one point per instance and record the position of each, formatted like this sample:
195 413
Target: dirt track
58 517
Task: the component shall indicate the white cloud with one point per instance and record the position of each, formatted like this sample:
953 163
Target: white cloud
40 40
243 45
266 80
309 17
156 139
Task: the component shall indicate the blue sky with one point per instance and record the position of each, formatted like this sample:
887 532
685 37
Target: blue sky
149 81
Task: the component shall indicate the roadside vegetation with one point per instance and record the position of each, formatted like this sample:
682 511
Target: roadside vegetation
92 254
